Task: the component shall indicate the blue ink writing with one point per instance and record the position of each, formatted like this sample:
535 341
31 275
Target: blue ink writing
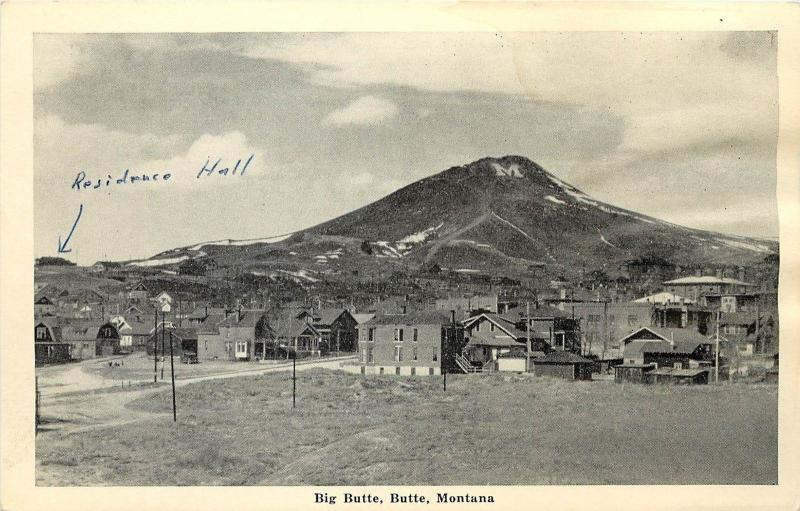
81 181
62 247
221 170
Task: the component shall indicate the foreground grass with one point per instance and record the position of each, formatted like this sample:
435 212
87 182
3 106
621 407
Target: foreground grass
352 430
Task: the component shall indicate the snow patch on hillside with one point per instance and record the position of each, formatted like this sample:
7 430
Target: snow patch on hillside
241 243
399 248
553 199
511 171
745 245
300 274
160 262
604 240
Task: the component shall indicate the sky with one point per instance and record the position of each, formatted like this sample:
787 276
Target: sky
677 125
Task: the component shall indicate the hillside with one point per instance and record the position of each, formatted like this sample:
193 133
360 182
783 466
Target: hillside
497 215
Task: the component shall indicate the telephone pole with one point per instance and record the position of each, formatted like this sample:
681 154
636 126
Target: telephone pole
716 353
155 345
172 372
528 340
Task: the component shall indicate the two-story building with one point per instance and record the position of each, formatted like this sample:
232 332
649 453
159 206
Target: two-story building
415 343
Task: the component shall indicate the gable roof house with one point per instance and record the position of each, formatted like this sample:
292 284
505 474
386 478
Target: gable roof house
48 345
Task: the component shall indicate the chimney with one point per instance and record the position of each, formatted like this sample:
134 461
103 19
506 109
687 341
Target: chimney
239 314
206 310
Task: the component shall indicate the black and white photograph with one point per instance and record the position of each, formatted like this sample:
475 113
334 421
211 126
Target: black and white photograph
439 262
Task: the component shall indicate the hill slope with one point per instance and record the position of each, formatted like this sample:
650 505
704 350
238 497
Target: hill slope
496 213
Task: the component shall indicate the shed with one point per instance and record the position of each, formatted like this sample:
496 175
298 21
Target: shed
633 373
563 364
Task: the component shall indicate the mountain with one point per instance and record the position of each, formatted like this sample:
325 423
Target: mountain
495 215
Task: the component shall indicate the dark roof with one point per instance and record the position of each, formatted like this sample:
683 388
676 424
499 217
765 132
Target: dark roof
562 357
327 316
185 333
427 317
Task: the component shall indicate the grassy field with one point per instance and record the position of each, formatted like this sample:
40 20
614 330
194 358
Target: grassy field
395 430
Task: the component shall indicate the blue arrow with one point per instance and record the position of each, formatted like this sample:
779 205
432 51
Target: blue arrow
62 248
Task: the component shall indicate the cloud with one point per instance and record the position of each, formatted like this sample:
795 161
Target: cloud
224 150
366 110
671 88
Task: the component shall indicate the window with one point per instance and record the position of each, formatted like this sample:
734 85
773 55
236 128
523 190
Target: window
594 318
415 335
380 371
41 333
414 353
370 356
677 365
398 354
430 370
491 327
413 371
435 354
363 355
398 335
397 370
478 326
371 335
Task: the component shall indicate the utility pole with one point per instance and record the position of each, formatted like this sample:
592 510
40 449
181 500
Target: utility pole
758 325
528 340
716 353
294 377
155 345
172 371
605 327
163 328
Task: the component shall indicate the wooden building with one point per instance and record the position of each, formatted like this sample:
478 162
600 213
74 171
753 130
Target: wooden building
563 364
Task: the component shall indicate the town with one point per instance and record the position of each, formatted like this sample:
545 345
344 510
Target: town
655 323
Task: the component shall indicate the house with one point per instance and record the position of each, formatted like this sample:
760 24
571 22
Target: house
140 334
199 315
294 332
337 328
733 302
563 364
137 294
125 333
44 307
601 323
488 336
108 340
48 346
697 287
163 301
82 338
679 342
415 343
236 336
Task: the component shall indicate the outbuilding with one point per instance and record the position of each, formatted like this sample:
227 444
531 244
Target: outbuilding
563 364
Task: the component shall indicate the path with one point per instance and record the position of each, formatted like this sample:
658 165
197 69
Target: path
75 410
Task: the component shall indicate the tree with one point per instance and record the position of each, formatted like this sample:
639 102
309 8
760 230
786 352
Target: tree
366 247
53 261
